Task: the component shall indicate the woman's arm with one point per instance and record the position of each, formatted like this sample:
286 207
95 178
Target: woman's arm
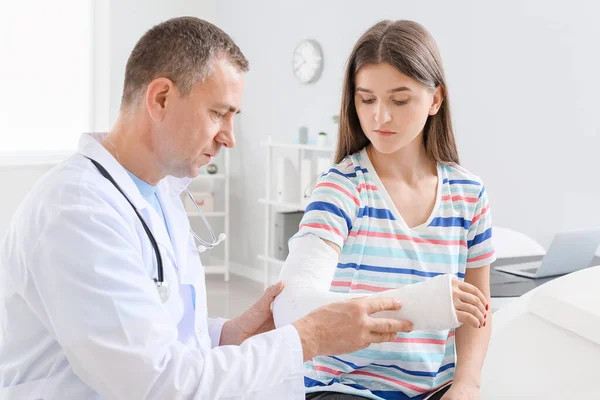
308 272
472 343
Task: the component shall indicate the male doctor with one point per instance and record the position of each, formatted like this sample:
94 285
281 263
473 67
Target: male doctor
85 313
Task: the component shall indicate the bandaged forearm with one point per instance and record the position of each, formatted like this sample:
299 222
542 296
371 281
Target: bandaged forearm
309 270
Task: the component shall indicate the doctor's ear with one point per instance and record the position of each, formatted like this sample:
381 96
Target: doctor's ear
158 94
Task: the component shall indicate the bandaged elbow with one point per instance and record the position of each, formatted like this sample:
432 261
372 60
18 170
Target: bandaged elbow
309 270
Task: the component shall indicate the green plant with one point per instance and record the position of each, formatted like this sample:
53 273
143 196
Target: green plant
322 134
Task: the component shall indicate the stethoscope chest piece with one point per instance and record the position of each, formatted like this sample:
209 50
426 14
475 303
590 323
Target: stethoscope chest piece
163 290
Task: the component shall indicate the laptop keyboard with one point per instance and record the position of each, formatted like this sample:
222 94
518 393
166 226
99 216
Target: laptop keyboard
530 270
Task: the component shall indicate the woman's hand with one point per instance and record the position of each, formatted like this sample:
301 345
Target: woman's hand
470 304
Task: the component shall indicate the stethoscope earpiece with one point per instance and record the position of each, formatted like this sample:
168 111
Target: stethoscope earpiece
204 245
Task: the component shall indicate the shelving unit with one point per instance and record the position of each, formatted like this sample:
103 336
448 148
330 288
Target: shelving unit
221 214
272 204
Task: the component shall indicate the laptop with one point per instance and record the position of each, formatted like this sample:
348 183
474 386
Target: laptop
569 251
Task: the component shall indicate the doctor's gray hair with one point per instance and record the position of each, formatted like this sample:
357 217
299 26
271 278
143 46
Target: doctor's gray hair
181 50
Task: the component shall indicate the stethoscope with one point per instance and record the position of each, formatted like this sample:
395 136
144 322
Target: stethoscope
162 286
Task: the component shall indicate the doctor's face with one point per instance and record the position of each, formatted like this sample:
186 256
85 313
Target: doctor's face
198 124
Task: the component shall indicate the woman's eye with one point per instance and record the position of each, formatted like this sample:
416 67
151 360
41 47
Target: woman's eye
368 101
219 115
399 102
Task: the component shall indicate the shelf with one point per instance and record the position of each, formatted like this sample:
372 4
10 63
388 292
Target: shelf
298 146
214 269
271 260
289 206
207 214
210 177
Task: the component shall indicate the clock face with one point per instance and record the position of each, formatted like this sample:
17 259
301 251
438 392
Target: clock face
308 61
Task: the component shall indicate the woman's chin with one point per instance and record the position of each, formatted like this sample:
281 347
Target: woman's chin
388 147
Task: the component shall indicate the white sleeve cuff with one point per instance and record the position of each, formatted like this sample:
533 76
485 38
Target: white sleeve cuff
296 356
215 327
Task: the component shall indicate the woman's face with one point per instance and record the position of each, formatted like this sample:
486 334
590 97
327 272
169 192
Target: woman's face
392 108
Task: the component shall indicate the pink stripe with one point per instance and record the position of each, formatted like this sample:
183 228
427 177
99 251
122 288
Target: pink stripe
481 257
328 370
358 286
323 226
463 198
409 238
420 340
366 186
480 214
407 385
339 188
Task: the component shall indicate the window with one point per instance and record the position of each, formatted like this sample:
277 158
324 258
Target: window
46 69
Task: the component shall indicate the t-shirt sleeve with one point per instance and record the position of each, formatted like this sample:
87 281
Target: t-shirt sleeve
479 238
333 207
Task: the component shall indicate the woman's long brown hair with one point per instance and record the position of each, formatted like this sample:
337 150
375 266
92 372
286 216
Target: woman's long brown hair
408 47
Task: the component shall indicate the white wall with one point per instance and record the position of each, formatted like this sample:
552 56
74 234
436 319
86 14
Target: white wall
120 23
130 19
523 85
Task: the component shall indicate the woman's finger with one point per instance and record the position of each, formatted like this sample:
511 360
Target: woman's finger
467 319
474 301
467 287
473 310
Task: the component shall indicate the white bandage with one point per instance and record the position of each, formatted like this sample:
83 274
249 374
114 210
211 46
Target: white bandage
308 272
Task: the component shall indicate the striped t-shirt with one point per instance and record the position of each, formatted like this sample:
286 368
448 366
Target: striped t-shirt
351 208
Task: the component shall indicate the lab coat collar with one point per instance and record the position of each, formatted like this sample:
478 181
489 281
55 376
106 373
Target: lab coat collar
168 189
89 146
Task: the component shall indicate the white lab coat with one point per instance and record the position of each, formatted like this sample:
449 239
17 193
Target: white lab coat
80 316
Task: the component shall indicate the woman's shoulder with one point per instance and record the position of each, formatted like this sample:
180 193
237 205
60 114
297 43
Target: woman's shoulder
349 169
457 175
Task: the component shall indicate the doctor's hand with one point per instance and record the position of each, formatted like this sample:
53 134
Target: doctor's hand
255 320
347 326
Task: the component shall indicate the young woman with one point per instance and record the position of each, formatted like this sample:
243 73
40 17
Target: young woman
399 209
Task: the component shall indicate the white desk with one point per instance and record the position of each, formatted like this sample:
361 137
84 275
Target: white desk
538 352
501 302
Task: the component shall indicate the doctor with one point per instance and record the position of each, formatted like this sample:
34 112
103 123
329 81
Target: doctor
98 302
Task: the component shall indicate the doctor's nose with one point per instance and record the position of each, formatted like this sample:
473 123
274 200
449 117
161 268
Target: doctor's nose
226 138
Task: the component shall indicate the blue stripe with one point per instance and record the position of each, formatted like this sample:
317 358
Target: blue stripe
396 395
398 252
482 192
309 382
386 355
451 221
358 168
462 182
482 237
380 213
333 209
335 171
393 270
406 371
